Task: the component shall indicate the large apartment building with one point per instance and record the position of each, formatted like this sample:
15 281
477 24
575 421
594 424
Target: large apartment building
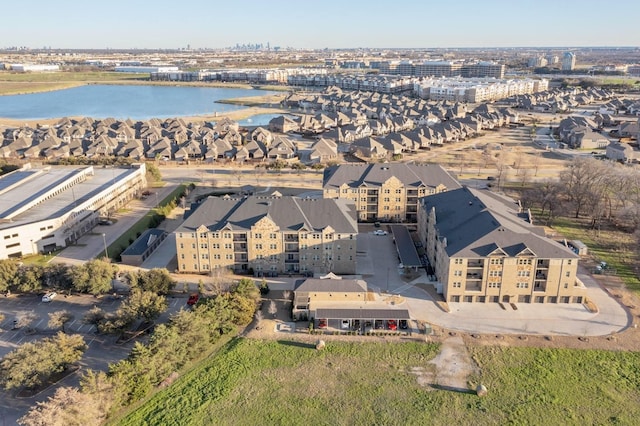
484 248
269 235
387 192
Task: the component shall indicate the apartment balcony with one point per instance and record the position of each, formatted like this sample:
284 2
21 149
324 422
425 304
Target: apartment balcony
372 200
474 276
475 264
372 209
291 238
372 192
291 248
412 193
539 285
288 261
239 247
240 237
240 258
542 264
473 285
541 276
412 209
412 200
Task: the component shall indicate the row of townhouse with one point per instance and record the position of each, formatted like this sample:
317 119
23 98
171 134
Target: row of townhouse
476 89
250 75
559 100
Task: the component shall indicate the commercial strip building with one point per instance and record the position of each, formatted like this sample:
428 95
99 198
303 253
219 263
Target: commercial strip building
42 209
269 235
387 192
484 248
476 89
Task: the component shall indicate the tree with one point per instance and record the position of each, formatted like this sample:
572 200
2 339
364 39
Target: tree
29 278
259 319
143 304
94 316
94 277
25 319
273 309
153 173
157 280
8 271
58 319
247 288
582 182
57 275
67 407
31 364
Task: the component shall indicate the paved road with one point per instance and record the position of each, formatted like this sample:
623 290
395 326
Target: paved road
92 245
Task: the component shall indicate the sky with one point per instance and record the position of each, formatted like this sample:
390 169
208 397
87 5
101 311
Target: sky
170 24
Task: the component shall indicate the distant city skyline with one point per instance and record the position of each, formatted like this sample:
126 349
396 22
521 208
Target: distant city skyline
332 24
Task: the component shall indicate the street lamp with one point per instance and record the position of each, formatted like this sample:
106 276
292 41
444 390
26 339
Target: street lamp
104 239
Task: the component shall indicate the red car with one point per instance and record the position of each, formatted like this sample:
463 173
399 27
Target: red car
392 325
322 323
193 299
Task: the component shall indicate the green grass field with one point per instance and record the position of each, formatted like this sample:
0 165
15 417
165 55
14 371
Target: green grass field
290 383
20 83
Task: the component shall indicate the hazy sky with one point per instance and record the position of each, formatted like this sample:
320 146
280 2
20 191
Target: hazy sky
318 23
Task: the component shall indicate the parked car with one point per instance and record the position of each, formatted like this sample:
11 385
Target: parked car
379 232
404 324
392 325
377 224
345 324
322 323
491 178
379 325
193 299
49 296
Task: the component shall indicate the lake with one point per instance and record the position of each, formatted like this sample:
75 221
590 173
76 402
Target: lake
122 102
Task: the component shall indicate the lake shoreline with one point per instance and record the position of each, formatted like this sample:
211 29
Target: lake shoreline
253 105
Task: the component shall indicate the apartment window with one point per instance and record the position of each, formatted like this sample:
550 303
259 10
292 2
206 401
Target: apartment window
182 256
524 273
195 266
273 236
214 235
495 261
568 274
495 273
338 257
216 246
229 256
273 257
457 284
205 256
569 262
566 285
303 246
227 245
227 235
398 199
205 266
194 256
258 236
181 245
494 285
273 246
203 246
203 235
457 273
398 191
386 208
387 191
193 245
524 261
184 266
216 256
259 257
458 261
522 285
258 246
316 236
386 199
179 235
6 237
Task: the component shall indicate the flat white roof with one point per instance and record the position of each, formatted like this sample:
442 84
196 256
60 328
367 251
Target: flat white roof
59 204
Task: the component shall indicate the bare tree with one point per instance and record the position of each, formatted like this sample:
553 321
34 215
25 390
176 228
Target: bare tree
273 309
259 318
24 319
286 295
582 181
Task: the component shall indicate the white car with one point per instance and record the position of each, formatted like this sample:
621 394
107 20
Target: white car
49 296
379 232
345 324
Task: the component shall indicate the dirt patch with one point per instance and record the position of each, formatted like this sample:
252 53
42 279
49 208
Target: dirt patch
450 369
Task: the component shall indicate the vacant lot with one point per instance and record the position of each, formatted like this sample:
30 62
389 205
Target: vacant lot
289 383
